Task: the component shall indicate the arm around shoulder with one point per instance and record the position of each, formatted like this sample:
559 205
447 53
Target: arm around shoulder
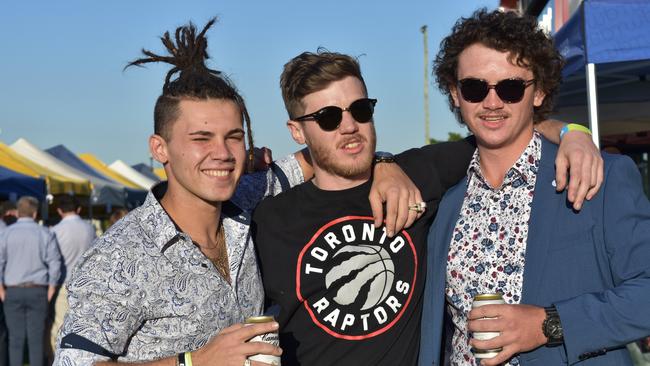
449 159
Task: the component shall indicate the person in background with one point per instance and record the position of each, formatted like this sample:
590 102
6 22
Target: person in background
30 268
8 214
116 215
74 236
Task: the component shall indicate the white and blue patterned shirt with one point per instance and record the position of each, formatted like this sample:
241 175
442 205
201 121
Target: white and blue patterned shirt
488 246
144 291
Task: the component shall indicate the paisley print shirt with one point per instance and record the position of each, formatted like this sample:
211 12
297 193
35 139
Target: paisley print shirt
488 247
144 291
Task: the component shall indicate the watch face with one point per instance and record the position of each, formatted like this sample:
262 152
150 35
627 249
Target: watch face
384 157
554 327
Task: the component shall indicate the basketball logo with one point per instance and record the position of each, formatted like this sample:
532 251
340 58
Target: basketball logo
357 267
354 281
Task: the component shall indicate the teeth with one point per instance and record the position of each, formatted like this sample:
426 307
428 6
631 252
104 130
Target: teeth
494 118
351 145
216 173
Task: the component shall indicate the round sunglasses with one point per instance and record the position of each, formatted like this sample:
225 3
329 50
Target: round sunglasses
509 90
329 118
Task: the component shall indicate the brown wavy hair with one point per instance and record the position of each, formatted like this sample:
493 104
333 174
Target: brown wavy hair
187 53
311 72
529 47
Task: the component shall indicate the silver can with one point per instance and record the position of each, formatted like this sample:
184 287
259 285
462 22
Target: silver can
482 300
271 338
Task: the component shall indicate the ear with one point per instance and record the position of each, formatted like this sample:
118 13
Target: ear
158 148
453 91
296 130
59 211
539 97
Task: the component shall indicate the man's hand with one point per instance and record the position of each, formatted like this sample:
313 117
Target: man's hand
50 292
230 346
580 158
2 292
520 327
393 186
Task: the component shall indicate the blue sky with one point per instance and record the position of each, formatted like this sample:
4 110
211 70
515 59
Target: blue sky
61 78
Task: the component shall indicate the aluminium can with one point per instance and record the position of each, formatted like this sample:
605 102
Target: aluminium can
482 300
272 338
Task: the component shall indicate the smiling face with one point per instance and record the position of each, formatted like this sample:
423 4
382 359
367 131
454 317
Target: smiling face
205 154
342 158
497 125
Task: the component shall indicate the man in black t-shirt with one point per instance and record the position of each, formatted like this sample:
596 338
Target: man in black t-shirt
349 293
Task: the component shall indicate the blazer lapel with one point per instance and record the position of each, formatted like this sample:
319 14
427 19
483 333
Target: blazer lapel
438 246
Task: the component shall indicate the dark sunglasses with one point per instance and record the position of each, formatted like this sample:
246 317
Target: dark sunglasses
329 118
509 90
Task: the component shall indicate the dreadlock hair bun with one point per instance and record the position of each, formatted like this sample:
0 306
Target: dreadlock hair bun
187 53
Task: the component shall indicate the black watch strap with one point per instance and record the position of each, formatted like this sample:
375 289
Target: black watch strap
552 327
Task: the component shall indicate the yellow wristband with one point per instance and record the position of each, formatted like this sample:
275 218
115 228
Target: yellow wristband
574 127
188 358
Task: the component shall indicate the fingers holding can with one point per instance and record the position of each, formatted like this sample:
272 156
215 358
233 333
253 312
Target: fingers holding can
272 354
482 300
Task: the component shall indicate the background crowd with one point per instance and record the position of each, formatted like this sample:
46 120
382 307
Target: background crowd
35 261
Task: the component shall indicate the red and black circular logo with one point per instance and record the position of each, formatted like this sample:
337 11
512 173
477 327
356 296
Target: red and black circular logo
355 281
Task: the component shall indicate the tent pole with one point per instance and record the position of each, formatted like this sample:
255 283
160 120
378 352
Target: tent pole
593 103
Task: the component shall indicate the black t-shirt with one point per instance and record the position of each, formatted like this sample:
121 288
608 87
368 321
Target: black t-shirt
348 294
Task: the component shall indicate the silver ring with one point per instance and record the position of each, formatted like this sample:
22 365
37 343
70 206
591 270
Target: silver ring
247 362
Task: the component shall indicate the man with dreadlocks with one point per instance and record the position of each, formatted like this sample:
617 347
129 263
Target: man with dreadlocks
180 269
167 283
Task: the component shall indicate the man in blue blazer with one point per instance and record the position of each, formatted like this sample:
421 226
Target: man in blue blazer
576 283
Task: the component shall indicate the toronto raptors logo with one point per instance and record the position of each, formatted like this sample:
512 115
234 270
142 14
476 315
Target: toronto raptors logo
355 281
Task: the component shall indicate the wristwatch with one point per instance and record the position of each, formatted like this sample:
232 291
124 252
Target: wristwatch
383 157
552 327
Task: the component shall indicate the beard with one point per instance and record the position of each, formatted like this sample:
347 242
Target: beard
322 156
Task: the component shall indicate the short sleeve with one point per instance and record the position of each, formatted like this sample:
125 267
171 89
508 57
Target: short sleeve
105 306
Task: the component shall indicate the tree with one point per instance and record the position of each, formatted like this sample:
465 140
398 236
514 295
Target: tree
452 136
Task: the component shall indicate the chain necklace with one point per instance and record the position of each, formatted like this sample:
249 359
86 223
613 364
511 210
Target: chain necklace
220 260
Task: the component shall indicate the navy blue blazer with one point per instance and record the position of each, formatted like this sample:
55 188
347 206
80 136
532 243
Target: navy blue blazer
594 265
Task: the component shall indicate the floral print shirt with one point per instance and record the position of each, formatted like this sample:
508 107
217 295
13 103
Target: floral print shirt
144 291
488 246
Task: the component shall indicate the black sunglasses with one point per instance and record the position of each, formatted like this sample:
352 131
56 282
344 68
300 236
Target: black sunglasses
329 118
509 90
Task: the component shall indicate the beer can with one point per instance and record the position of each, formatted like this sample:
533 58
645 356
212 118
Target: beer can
272 338
482 300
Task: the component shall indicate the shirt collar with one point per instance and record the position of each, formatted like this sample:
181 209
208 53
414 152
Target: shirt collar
71 217
525 166
160 227
155 221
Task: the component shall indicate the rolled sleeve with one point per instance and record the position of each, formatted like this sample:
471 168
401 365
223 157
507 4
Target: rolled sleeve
76 357
104 308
